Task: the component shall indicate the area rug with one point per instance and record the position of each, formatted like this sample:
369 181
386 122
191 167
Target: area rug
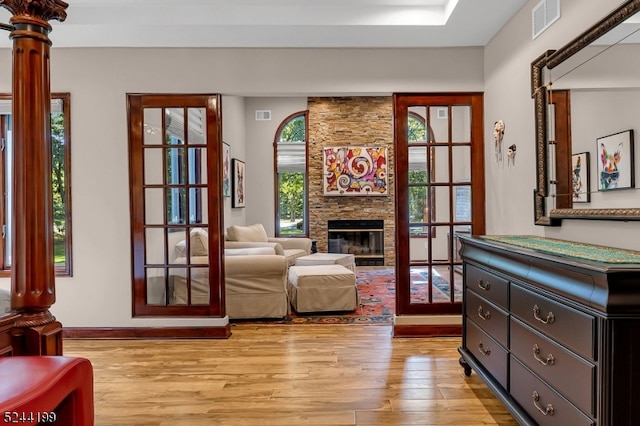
377 290
441 289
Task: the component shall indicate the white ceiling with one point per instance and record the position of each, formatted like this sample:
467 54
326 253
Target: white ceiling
278 23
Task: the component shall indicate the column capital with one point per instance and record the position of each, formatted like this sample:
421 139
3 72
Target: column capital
45 10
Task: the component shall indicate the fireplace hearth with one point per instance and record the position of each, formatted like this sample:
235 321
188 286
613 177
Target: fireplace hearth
362 238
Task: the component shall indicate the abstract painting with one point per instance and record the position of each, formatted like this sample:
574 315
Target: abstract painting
238 199
580 178
226 170
615 161
355 170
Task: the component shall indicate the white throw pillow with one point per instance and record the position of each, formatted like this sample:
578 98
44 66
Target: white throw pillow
199 242
250 233
180 249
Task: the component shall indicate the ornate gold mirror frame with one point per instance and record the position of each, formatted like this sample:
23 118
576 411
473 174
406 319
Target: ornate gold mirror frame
539 93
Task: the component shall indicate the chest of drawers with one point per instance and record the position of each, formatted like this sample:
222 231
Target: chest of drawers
556 338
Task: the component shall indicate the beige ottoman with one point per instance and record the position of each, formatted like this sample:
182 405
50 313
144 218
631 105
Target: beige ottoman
346 260
322 288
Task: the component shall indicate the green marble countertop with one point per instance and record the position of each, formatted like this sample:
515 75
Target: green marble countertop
583 251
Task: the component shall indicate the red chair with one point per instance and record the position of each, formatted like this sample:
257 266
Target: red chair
46 390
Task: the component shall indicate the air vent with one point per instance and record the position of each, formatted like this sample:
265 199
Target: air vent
543 15
263 115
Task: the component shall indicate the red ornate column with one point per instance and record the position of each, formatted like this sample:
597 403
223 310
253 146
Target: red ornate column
32 270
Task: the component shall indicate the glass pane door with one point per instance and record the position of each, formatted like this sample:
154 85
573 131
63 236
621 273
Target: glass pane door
438 136
179 271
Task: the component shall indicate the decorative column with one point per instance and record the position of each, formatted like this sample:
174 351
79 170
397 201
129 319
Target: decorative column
32 270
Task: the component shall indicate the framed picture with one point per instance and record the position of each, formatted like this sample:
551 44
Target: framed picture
238 167
354 170
615 161
580 178
226 170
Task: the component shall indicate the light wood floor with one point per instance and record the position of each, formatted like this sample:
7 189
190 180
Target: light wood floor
287 375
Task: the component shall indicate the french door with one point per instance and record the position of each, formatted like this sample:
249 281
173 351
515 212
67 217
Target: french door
175 167
439 163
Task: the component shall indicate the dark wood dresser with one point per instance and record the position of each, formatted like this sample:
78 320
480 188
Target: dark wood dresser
553 328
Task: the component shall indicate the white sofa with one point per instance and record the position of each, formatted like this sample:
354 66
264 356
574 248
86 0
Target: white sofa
255 276
256 236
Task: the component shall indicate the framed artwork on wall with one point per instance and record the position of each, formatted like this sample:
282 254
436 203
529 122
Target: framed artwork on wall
354 170
226 170
580 178
238 167
615 161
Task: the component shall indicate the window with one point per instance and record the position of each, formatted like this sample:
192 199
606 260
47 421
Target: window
60 182
420 194
291 176
180 168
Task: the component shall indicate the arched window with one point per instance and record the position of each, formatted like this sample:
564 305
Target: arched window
421 197
417 127
291 176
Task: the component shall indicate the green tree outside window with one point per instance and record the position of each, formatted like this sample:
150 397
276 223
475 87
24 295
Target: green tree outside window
418 195
291 176
58 189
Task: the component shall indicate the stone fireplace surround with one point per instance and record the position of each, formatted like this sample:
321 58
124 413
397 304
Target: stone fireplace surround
357 121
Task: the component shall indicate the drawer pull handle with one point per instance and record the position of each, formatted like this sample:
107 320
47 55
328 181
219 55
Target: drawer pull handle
545 411
482 314
536 315
484 285
550 360
484 351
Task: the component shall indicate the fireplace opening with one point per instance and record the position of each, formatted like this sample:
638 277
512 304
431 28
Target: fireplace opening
362 238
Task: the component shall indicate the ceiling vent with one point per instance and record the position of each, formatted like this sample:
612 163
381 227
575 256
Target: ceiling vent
543 15
263 114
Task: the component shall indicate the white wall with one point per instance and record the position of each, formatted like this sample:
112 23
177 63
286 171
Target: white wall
598 113
259 157
508 97
99 79
234 133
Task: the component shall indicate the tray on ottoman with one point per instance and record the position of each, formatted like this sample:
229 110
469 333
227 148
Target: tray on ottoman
322 288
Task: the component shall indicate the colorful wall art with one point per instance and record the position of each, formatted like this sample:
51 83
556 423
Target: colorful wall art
615 161
238 199
226 170
580 177
355 171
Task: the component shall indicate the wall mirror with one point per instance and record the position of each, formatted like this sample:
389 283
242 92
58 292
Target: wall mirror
585 93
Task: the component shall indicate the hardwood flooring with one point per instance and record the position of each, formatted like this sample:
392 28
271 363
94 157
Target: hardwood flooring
287 375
